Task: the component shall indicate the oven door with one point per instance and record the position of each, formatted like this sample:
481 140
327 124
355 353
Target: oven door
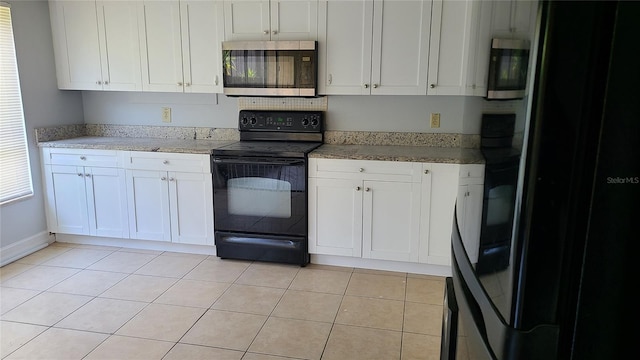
260 195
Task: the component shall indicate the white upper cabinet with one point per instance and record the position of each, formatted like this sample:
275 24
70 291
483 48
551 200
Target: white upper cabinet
514 19
373 47
202 33
96 45
181 45
344 47
459 47
271 20
161 46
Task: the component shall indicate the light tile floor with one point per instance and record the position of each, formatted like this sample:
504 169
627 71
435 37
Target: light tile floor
71 301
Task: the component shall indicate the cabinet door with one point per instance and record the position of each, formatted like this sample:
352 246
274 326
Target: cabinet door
202 32
479 49
161 46
107 202
436 247
77 51
294 20
469 213
191 199
514 19
66 199
119 45
247 20
449 49
391 216
399 67
344 47
335 217
148 205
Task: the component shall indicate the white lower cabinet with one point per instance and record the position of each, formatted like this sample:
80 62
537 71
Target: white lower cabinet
85 200
469 207
437 218
368 209
129 194
170 197
389 210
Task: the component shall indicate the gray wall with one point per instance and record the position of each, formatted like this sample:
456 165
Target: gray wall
44 105
459 114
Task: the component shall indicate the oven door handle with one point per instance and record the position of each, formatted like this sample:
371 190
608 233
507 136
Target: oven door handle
260 161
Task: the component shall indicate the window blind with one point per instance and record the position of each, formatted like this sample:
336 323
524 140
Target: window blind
15 171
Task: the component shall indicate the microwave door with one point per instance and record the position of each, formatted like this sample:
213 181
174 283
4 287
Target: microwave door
286 71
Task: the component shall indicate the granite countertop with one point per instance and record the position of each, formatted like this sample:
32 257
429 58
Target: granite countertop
431 154
203 146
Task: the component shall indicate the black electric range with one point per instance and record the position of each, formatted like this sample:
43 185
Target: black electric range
260 186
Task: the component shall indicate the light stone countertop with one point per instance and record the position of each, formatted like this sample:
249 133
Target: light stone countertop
427 154
453 155
204 146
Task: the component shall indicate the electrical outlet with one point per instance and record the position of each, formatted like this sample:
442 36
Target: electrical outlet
435 120
166 114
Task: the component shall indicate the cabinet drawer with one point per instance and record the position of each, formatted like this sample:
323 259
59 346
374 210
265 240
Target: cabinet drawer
200 163
365 169
81 157
472 171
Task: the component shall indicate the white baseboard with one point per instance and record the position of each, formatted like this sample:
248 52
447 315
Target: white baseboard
413 268
136 244
24 247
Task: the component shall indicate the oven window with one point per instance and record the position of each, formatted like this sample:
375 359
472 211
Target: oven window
255 196
500 205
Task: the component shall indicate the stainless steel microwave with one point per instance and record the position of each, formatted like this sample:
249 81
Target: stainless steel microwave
508 63
269 68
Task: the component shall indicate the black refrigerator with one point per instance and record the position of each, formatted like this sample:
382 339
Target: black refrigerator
565 291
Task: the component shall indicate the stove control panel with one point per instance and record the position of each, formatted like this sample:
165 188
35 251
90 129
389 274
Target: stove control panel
286 121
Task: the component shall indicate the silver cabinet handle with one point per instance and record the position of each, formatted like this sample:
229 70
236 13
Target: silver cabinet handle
87 175
266 32
432 86
79 174
165 162
274 32
330 79
83 158
99 82
366 86
163 178
361 170
375 86
172 179
106 83
367 189
187 84
358 188
179 84
426 171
